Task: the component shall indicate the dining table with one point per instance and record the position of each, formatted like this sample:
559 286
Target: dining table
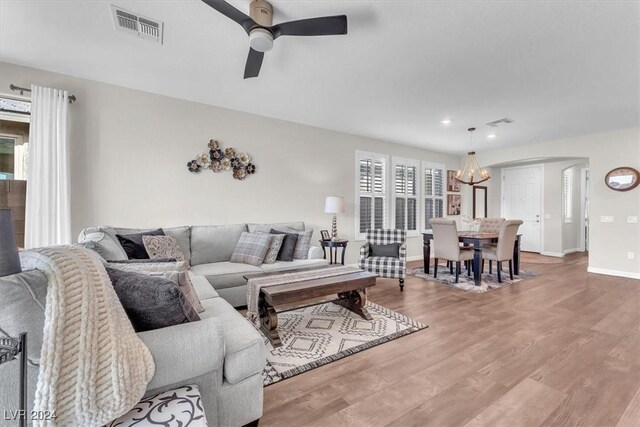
477 239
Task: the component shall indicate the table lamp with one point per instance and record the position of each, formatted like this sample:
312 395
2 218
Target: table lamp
334 205
9 257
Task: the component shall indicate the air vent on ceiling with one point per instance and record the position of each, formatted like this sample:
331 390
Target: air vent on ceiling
141 26
498 122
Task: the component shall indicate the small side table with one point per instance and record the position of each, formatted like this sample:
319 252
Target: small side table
333 246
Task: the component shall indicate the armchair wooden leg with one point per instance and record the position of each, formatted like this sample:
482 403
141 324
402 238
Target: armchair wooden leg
457 270
450 267
511 269
482 267
468 265
499 268
401 285
435 268
490 264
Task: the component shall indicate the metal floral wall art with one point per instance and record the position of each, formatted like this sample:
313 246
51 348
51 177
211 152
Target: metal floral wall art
219 160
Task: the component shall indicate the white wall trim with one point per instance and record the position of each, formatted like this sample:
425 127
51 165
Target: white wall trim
554 254
572 250
617 273
415 258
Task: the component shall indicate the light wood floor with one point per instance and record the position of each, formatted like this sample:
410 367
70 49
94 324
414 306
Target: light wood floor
562 349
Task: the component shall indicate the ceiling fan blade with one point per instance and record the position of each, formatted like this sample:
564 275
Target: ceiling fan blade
232 13
325 26
254 62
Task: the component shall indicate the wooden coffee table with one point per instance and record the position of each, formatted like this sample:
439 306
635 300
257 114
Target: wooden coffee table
351 289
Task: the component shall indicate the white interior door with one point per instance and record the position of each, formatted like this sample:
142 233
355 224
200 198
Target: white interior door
522 199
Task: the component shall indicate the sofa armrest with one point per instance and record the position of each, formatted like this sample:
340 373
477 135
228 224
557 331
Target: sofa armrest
365 250
315 252
185 351
402 253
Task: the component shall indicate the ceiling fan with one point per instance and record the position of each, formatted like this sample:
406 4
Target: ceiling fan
259 26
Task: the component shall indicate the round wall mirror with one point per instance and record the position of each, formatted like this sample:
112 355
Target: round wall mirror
622 179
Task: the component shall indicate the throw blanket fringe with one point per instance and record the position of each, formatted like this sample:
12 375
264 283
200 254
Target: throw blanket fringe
254 284
93 366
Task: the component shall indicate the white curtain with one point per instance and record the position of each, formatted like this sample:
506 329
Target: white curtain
48 218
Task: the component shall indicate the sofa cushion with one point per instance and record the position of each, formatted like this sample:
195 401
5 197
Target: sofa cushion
251 248
151 302
162 247
23 299
214 243
245 353
288 246
104 242
302 244
133 245
181 234
203 288
274 248
225 274
264 228
290 265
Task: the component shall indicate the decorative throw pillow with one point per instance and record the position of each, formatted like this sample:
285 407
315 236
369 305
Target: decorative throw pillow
133 245
391 250
182 279
274 248
288 245
158 247
302 244
251 248
151 302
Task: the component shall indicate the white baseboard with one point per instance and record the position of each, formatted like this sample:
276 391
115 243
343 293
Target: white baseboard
570 251
415 258
554 254
618 273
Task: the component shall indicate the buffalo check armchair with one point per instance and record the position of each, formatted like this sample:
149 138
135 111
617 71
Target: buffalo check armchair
385 266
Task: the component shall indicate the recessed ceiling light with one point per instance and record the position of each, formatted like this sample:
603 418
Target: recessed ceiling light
491 135
445 121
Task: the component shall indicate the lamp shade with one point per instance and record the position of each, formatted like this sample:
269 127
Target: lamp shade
334 204
9 258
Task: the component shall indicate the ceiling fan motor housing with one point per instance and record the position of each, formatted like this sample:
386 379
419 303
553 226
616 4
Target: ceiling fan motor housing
261 39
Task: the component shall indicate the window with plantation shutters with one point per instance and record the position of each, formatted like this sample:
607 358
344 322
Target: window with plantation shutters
567 192
405 195
371 194
434 182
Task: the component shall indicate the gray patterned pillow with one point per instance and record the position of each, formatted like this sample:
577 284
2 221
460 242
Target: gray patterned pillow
162 247
251 248
303 244
274 248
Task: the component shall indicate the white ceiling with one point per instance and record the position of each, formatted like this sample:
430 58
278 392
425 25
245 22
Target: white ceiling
559 69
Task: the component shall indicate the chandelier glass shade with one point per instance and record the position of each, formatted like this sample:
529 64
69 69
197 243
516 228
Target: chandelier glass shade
472 173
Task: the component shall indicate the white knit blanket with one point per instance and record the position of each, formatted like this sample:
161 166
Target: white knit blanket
254 284
93 367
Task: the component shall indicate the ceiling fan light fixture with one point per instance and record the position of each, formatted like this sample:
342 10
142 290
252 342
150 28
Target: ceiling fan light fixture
261 40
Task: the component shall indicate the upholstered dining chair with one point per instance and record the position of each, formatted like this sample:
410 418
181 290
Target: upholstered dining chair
446 245
503 251
389 265
490 225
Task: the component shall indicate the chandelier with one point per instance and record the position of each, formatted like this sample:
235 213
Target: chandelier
471 173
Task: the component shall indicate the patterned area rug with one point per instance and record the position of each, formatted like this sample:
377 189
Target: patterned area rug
489 281
317 335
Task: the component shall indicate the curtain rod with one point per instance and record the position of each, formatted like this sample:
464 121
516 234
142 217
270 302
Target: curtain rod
22 90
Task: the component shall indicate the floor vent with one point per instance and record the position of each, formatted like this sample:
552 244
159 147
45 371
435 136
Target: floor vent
498 122
138 25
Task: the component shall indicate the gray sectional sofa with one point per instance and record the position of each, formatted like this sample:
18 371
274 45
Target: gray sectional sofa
208 248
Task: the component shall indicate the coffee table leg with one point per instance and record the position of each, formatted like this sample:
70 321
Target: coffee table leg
269 322
355 301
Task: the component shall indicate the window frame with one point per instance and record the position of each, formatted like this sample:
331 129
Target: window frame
363 155
408 163
443 168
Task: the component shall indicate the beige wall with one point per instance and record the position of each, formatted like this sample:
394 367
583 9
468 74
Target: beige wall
129 151
609 243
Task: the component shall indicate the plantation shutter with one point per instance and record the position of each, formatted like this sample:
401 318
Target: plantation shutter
433 192
405 195
372 191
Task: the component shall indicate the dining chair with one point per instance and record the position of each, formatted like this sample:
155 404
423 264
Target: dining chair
490 225
446 246
503 251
